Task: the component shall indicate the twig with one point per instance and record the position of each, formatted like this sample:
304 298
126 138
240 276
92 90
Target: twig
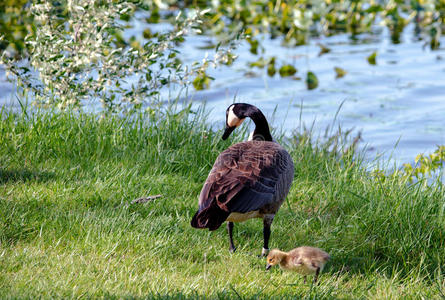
145 199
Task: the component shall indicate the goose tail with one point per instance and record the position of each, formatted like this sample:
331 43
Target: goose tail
210 217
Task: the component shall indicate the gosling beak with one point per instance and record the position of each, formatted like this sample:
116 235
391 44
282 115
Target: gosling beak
227 132
268 267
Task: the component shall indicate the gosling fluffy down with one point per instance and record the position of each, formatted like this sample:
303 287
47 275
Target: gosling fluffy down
303 260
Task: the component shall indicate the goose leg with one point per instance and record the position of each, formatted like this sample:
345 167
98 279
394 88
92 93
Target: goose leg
267 221
230 231
316 274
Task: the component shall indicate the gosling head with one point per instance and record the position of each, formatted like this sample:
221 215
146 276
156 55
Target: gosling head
273 258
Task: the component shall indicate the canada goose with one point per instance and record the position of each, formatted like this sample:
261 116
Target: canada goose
304 260
248 180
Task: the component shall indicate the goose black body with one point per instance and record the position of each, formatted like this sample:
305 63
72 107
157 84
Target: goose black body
248 180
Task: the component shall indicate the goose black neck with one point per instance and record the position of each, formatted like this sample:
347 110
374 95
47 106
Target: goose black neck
261 125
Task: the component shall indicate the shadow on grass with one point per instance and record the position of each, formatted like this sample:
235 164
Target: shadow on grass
347 261
248 239
231 293
24 175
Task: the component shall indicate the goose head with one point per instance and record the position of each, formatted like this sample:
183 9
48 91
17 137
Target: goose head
238 112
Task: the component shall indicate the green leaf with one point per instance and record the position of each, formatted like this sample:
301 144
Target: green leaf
418 157
201 82
154 17
374 9
253 46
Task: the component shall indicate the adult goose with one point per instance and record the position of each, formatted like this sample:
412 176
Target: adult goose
248 180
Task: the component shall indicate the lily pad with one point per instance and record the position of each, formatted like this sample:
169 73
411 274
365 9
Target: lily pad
271 70
311 81
372 58
271 67
339 72
260 63
323 49
147 33
287 70
207 46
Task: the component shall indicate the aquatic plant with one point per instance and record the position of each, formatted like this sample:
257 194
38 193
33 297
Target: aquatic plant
311 80
287 70
372 58
297 21
425 165
339 72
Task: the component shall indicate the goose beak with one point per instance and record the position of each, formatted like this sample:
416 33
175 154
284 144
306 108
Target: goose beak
268 267
227 132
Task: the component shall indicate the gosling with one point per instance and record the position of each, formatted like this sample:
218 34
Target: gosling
304 260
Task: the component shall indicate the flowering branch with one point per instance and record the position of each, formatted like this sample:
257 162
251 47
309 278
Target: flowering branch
77 57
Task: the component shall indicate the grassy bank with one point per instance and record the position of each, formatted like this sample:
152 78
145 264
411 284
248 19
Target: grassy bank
67 228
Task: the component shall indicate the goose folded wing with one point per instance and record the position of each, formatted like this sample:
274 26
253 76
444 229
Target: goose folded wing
242 181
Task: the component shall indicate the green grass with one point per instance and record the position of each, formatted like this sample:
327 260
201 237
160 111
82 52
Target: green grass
67 228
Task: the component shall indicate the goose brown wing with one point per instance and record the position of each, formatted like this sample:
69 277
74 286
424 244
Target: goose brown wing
242 179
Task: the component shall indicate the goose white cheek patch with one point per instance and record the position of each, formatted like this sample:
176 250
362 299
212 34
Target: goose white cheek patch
232 119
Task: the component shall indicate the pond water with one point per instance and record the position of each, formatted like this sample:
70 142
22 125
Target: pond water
398 104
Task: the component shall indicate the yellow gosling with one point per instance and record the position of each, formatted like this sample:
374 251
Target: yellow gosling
303 260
